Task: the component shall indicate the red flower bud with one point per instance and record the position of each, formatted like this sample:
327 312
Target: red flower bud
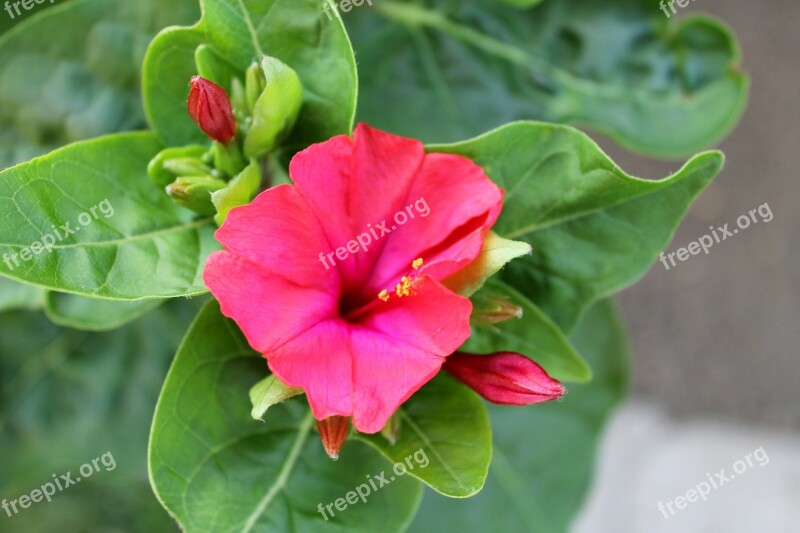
210 108
505 377
333 432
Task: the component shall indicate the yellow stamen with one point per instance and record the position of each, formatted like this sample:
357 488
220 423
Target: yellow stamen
416 264
384 295
404 287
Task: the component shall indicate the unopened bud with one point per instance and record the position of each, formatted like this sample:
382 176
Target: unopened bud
255 83
333 432
489 310
188 166
276 108
195 193
210 108
158 170
505 378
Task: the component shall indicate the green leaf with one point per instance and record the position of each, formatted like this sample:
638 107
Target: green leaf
130 242
88 314
544 454
72 71
168 66
268 392
67 397
214 468
534 335
15 295
295 31
662 87
593 228
449 424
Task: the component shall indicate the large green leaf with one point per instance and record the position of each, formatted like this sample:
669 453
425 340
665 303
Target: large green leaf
449 423
234 33
543 454
214 468
72 71
137 245
593 228
90 314
533 335
454 69
68 397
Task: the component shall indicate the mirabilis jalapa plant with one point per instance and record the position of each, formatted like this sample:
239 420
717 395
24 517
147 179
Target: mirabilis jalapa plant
256 171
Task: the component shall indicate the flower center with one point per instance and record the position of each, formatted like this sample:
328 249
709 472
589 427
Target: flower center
352 306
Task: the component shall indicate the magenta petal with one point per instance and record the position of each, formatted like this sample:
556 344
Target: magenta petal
385 374
319 361
462 203
278 232
269 308
367 370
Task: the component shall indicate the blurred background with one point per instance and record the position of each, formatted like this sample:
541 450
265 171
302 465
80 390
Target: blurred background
715 368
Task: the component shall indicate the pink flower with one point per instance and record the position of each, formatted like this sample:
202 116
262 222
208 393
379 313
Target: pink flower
210 107
505 377
359 335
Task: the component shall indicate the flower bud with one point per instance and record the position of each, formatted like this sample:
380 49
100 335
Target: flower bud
276 108
210 108
505 377
195 193
489 310
333 432
188 166
255 83
163 176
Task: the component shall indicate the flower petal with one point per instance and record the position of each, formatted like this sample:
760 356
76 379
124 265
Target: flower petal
463 203
269 308
279 233
355 184
367 370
